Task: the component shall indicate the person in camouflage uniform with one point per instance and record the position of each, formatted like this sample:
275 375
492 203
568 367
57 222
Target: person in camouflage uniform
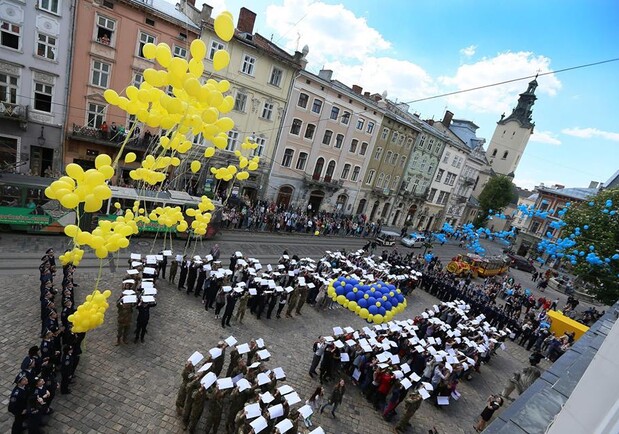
215 410
197 407
240 312
293 299
234 361
411 405
187 375
192 387
303 290
125 313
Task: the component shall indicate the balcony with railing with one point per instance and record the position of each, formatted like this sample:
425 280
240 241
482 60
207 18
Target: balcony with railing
13 111
96 135
467 181
326 182
416 194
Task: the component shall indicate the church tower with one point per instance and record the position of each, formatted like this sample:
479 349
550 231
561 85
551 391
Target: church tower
512 134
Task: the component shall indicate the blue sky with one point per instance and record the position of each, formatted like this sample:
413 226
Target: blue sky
417 49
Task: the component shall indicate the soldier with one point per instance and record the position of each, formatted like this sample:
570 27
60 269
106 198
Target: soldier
66 368
183 276
197 407
215 409
142 320
231 299
218 363
192 387
240 312
302 297
234 360
292 302
192 275
125 312
187 375
253 349
200 282
173 270
18 403
236 404
411 405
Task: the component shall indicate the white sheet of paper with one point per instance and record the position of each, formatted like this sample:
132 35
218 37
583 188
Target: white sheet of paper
318 430
405 368
195 358
279 373
424 393
253 410
208 380
231 341
132 272
243 348
205 367
276 411
395 359
263 354
215 352
406 383
150 291
285 389
306 411
415 377
442 400
136 256
149 270
356 374
243 384
428 386
128 299
344 357
263 379
148 299
266 397
292 398
225 383
339 344
167 253
338 331
259 424
260 343
284 426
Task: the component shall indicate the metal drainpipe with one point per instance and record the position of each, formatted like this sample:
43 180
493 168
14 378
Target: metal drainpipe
63 131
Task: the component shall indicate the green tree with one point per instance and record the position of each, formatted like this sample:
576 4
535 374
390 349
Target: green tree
496 195
602 234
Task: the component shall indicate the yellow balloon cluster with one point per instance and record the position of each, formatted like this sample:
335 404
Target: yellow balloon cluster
91 313
73 256
88 187
201 216
168 216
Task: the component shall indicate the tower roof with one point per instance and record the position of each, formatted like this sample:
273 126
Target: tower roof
523 112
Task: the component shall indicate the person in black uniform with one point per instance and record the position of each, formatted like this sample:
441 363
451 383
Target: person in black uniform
162 265
272 301
183 275
142 321
66 368
231 299
192 275
200 281
18 403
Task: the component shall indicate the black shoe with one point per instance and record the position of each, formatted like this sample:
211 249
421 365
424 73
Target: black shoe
66 392
228 324
135 341
311 374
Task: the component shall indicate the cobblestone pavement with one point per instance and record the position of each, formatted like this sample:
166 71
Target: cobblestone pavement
132 388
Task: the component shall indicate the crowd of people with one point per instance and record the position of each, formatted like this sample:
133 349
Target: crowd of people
57 355
269 217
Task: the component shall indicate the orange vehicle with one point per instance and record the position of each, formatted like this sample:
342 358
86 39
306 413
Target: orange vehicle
477 265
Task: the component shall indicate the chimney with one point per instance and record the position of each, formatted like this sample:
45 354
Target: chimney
192 2
206 12
246 21
325 74
447 118
357 89
366 94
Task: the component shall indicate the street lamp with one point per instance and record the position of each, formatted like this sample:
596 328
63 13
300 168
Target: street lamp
41 138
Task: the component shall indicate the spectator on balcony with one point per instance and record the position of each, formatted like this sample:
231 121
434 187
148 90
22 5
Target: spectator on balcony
105 39
104 130
114 131
147 138
122 132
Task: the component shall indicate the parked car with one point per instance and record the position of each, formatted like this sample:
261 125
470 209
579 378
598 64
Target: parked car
387 238
520 263
413 240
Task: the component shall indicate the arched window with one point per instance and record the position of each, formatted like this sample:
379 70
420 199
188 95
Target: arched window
320 163
505 155
494 153
379 181
330 170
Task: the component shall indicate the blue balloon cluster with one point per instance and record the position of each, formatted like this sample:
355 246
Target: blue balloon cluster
376 302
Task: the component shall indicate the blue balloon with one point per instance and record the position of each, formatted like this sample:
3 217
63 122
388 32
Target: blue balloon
340 290
400 298
382 311
359 295
373 309
362 302
371 301
387 305
351 296
348 287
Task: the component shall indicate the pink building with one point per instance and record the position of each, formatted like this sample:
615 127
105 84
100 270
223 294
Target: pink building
107 53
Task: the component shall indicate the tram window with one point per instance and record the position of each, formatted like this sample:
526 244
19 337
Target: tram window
11 196
37 195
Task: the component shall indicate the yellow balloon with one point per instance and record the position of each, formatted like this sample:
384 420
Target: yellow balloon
198 49
195 166
178 66
241 176
75 171
149 50
71 230
130 157
103 160
132 92
107 171
196 67
210 115
221 59
209 152
163 55
92 203
224 27
111 96
69 200
101 252
252 165
102 192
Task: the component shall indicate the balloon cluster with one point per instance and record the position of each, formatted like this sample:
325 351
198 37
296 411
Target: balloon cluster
91 313
88 187
192 109
377 302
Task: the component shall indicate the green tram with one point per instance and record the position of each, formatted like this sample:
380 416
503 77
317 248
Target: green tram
25 208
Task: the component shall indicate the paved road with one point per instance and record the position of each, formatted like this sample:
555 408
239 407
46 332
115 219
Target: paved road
132 388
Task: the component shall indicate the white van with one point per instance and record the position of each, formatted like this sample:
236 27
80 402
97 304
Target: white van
413 240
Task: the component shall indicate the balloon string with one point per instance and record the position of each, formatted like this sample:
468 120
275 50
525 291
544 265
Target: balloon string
122 147
155 241
99 276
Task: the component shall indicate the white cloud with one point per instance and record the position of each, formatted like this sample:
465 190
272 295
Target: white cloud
331 31
591 133
218 7
468 51
401 79
545 137
503 67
